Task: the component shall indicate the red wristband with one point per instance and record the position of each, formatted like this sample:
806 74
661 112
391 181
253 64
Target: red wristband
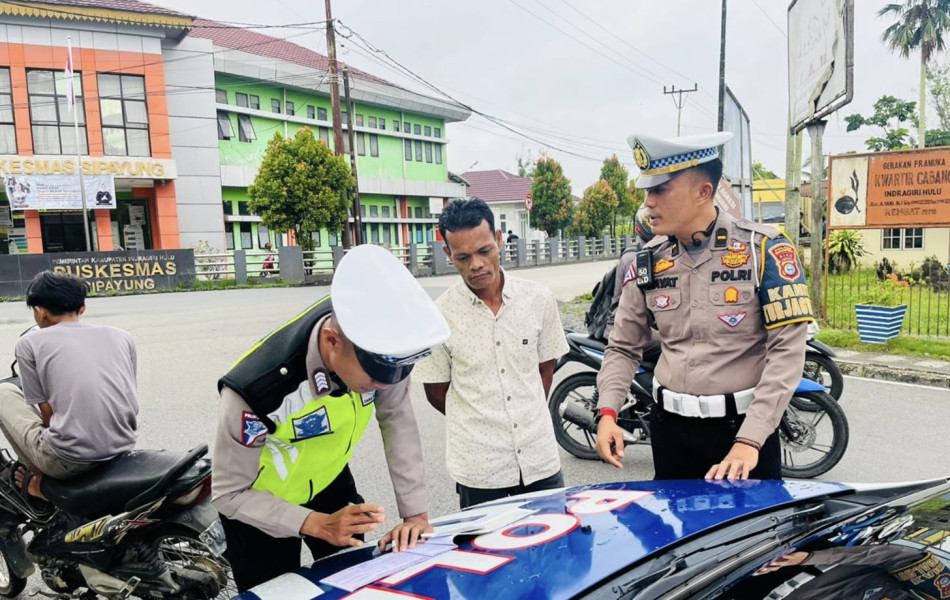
608 412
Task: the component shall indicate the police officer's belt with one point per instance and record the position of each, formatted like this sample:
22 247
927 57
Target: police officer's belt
703 407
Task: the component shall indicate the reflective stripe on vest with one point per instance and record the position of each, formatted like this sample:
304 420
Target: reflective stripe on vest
312 446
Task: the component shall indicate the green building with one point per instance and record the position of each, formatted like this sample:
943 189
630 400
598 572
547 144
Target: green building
264 84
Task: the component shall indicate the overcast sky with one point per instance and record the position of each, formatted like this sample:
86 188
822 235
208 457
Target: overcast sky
581 76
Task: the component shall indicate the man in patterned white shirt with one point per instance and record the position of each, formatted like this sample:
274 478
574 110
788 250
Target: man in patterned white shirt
492 377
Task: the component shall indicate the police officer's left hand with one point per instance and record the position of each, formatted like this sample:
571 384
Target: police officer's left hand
737 464
405 535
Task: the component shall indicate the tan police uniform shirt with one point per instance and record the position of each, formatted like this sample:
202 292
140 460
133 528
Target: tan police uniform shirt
713 326
236 466
498 427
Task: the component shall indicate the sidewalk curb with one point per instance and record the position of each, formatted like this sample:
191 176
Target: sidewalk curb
887 373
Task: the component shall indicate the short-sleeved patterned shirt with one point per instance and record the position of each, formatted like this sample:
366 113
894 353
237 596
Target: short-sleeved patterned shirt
498 427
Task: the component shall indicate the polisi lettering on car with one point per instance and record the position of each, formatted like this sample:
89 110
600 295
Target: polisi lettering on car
743 275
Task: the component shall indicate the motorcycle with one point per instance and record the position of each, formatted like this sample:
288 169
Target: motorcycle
141 525
813 430
820 366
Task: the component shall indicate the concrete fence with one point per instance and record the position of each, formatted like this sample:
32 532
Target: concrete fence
295 265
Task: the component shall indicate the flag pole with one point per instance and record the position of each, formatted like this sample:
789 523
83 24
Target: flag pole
71 90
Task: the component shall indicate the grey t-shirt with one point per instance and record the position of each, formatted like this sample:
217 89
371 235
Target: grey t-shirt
87 373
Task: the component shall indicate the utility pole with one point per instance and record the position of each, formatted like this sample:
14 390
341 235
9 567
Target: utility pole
815 131
334 79
679 102
722 69
793 183
350 123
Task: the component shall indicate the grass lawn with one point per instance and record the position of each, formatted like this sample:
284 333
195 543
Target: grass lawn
904 344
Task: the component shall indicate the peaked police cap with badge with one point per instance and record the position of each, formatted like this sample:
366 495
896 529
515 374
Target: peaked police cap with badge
660 160
384 311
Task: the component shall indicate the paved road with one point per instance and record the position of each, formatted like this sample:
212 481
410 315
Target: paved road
187 340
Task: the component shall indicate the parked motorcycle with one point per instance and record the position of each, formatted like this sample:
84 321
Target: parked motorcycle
814 436
820 366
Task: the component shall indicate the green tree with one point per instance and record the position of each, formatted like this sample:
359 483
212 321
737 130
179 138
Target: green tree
919 25
759 171
886 110
551 192
301 186
938 85
526 164
938 137
595 211
616 176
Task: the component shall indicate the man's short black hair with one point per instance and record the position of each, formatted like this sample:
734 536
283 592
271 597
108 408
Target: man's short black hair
58 293
465 213
711 170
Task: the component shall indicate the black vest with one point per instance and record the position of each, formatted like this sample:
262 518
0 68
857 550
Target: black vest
275 366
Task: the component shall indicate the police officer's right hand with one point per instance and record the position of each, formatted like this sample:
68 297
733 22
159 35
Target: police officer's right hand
340 527
610 441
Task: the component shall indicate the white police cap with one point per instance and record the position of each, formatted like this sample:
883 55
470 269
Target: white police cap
384 311
660 159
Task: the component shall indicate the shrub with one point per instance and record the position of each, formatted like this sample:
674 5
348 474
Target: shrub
845 250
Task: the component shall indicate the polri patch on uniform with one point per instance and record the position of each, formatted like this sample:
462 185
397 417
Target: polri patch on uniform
251 428
662 265
661 301
736 257
784 255
368 398
731 295
321 381
732 320
312 425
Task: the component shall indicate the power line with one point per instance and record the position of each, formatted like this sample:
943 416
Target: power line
774 24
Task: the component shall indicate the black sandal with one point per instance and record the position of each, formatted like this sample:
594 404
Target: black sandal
36 504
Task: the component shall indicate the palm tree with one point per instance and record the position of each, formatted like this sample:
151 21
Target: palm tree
919 25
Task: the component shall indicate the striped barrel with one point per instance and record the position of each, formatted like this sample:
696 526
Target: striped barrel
877 324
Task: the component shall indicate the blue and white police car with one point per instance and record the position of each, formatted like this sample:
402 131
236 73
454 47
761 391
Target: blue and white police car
660 539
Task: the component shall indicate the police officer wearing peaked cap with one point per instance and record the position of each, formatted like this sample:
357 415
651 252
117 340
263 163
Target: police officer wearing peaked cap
732 309
295 405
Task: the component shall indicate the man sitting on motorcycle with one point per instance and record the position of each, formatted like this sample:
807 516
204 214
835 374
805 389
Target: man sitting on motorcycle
78 404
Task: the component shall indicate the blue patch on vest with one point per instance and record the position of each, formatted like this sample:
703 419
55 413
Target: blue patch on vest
309 426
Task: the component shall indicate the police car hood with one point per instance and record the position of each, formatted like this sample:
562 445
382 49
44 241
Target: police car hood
574 538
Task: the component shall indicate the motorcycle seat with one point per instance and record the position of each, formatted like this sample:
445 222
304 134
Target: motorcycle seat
587 341
121 484
651 353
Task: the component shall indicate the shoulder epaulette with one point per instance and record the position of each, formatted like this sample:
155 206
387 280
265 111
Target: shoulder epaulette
769 231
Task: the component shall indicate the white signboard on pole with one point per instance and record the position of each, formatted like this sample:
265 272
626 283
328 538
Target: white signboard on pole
58 192
820 58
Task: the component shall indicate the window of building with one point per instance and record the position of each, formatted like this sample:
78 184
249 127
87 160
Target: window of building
346 143
382 123
406 127
387 234
311 112
359 120
225 132
408 146
503 222
229 237
374 233
255 102
247 240
324 136
438 132
124 115
428 131
243 208
226 206
246 131
332 239
417 129
438 154
322 114
372 122
361 144
418 151
385 212
418 212
419 235
317 241
7 127
240 99
344 117
903 239
290 108
220 96
50 115
275 105
363 211
263 236
373 211
396 126
428 152
373 144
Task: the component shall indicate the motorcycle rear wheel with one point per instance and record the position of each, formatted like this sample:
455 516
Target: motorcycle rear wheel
824 370
813 439
183 549
580 388
10 584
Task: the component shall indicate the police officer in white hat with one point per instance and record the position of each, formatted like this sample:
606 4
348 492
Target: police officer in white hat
732 308
296 404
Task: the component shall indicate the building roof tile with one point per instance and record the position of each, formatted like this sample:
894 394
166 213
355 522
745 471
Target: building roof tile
497 186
